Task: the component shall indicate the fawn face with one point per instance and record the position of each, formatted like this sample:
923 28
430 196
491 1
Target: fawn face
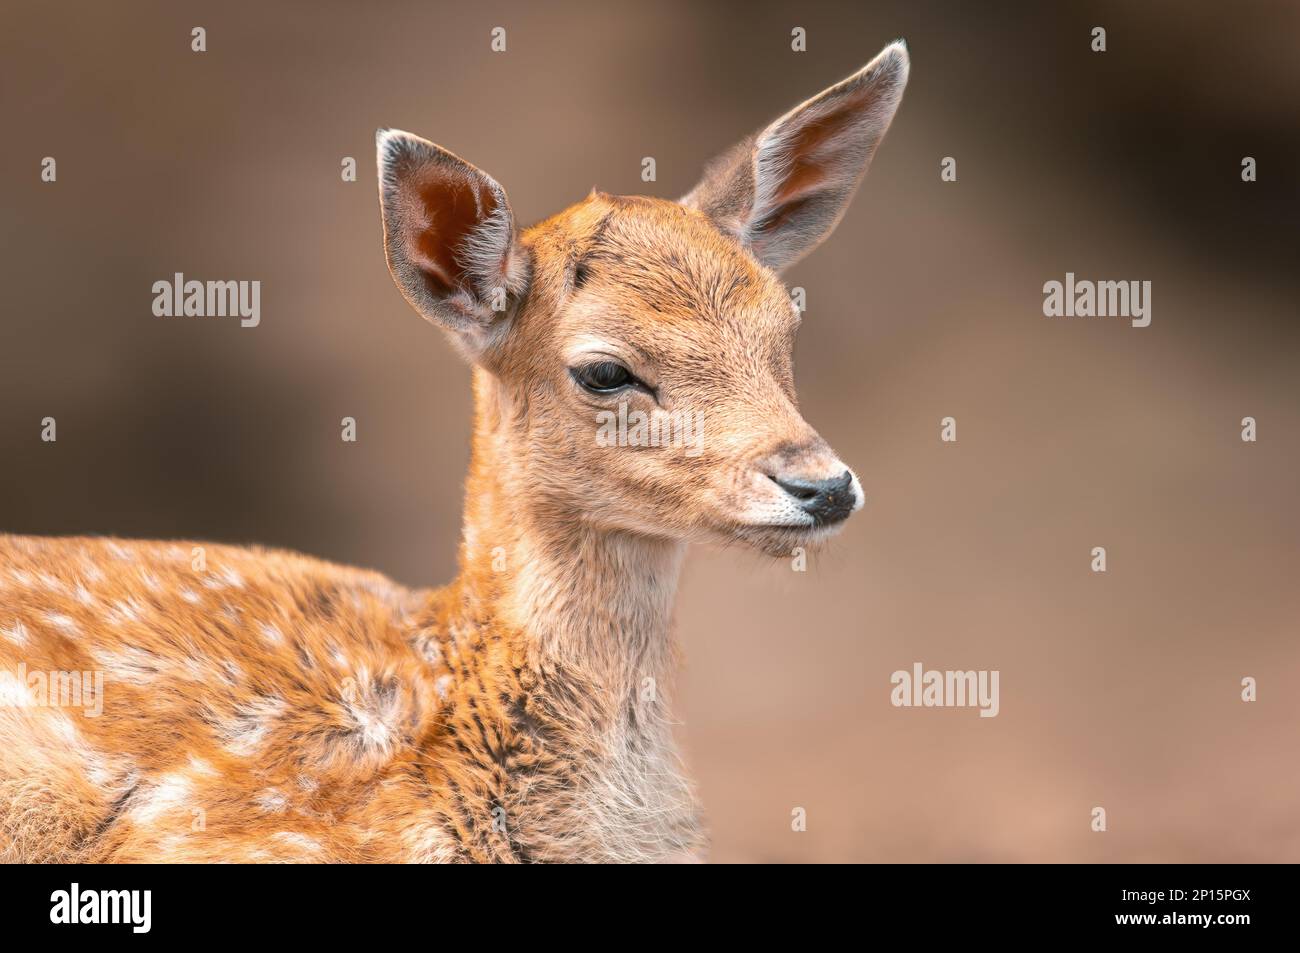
639 350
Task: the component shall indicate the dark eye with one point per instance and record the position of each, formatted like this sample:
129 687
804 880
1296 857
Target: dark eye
604 377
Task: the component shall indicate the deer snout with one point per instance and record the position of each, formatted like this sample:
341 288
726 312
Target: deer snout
826 501
810 486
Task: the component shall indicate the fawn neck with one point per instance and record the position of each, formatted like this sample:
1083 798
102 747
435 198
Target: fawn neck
581 598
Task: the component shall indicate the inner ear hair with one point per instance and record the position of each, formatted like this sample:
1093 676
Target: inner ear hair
449 236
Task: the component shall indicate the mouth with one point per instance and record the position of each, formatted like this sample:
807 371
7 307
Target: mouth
781 539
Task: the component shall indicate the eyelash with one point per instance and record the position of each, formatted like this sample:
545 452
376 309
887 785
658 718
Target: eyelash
585 373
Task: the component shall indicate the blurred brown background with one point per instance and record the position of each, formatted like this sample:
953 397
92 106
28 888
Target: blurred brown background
1119 690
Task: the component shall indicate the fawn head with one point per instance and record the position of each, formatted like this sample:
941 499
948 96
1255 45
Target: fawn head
637 351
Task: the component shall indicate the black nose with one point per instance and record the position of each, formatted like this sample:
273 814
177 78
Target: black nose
826 501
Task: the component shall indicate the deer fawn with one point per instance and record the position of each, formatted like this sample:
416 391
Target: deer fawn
240 704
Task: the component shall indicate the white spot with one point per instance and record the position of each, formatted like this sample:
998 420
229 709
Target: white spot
52 583
84 595
189 595
60 621
301 841
374 715
65 729
194 667
126 610
427 844
150 581
427 645
169 793
13 693
272 801
23 579
272 633
442 685
375 732
101 772
119 551
129 663
100 767
16 633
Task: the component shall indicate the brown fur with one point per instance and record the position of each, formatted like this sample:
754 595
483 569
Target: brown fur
264 706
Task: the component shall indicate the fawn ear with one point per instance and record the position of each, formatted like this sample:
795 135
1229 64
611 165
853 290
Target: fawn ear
449 237
783 190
